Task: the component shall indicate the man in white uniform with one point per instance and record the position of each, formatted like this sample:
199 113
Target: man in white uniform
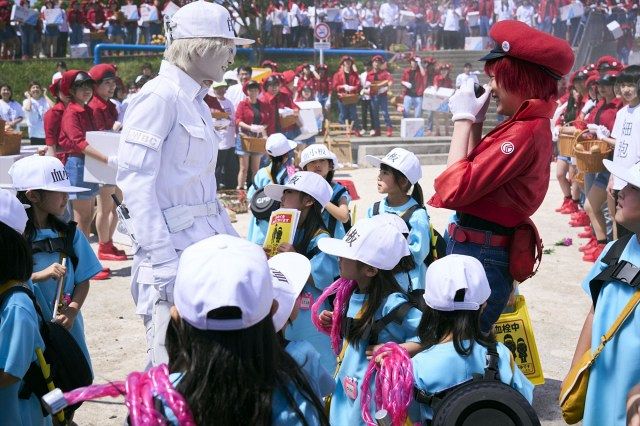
167 160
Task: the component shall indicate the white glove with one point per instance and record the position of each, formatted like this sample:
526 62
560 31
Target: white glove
602 132
555 132
348 88
117 126
312 67
464 105
112 161
481 115
257 128
588 106
418 60
327 104
164 277
406 84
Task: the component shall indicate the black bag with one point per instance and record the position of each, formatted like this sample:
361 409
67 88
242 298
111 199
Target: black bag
482 401
262 206
69 367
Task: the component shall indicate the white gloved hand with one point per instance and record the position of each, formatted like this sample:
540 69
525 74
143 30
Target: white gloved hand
112 161
348 88
593 127
164 277
602 132
464 105
406 84
117 126
481 115
418 60
555 132
327 104
588 106
257 128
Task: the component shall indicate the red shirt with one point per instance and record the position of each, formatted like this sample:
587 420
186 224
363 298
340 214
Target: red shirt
244 113
380 75
270 100
75 16
548 8
52 121
604 114
442 81
324 85
76 122
284 99
104 113
485 7
506 177
351 79
418 81
95 16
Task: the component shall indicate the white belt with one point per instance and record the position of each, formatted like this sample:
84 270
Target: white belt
182 217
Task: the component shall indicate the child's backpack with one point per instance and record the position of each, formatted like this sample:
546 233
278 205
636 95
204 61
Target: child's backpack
62 244
481 401
65 364
262 206
333 222
438 246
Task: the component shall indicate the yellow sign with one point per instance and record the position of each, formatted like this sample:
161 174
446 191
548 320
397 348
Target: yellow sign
514 330
282 229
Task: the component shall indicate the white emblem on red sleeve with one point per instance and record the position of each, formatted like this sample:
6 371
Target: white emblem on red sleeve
507 147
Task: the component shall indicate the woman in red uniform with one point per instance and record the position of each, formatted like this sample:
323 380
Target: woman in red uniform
497 182
53 118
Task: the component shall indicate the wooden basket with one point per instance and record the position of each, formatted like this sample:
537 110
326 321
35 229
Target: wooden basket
566 139
589 155
10 143
253 145
288 121
219 115
234 199
579 177
349 99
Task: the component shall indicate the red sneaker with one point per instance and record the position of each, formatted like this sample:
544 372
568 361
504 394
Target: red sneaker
583 221
579 214
571 207
102 275
389 131
587 228
586 234
565 203
593 255
588 245
107 251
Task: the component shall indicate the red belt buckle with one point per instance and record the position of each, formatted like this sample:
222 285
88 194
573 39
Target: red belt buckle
457 233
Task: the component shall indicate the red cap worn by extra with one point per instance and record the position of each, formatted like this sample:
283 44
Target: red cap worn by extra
609 77
70 77
102 72
592 79
288 76
345 58
379 58
608 62
518 40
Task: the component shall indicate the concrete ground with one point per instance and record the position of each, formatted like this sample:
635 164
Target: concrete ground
557 305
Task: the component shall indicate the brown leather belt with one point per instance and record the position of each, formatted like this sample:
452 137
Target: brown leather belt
461 235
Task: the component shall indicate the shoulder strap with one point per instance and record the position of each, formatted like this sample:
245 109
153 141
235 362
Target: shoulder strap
70 235
611 258
406 215
397 314
626 312
491 371
333 222
28 292
376 208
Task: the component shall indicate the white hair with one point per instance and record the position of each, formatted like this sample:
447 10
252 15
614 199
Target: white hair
182 52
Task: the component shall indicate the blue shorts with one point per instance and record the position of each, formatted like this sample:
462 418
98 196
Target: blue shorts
75 170
565 159
602 179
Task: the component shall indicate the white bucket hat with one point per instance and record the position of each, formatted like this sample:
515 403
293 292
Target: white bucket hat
223 271
277 144
402 160
289 274
41 172
12 211
202 19
308 182
456 283
371 241
317 152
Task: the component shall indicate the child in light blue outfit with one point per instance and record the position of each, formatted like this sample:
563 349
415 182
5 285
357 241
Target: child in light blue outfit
43 184
457 288
368 253
399 170
336 215
309 193
279 149
19 324
290 272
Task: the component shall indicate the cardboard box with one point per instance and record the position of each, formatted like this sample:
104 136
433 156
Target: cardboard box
6 161
170 8
478 43
615 29
23 14
433 98
411 128
407 17
53 16
572 10
473 19
313 106
94 170
79 50
308 124
130 12
148 13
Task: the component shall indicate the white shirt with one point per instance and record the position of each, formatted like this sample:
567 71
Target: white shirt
389 13
228 134
350 19
525 14
35 117
235 94
626 132
505 12
363 82
461 78
10 111
167 158
293 15
367 17
451 20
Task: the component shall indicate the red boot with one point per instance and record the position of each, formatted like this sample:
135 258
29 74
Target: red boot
582 221
102 275
578 215
593 255
571 207
588 246
107 251
586 234
565 203
389 131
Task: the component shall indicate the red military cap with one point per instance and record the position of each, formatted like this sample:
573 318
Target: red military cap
592 79
4 3
608 63
299 68
518 40
609 78
251 84
71 77
345 58
102 72
322 67
378 58
269 63
288 76
55 86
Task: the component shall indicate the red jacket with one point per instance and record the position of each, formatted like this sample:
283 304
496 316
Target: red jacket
52 121
419 81
604 114
244 113
75 16
442 81
506 177
548 8
351 79
95 16
76 122
324 85
284 99
309 82
485 7
104 113
270 99
381 75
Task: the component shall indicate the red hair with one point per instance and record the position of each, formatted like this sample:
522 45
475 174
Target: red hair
522 78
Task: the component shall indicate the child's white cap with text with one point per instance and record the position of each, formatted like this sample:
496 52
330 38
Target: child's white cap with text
277 144
456 283
629 174
315 152
371 241
402 160
223 283
308 182
393 220
41 172
289 274
12 211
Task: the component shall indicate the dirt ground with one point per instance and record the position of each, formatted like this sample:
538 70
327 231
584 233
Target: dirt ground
556 302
